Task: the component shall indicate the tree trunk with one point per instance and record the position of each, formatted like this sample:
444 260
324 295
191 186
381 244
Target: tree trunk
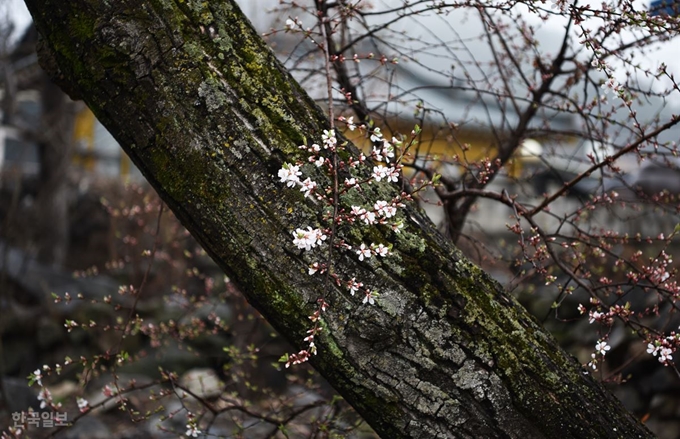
55 141
205 111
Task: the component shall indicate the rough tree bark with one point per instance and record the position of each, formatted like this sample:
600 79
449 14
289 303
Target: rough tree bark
203 108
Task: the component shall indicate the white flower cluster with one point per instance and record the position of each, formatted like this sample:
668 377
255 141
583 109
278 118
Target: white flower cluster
370 297
383 149
559 4
363 214
308 239
595 316
365 252
329 139
83 404
45 398
290 174
293 25
192 431
383 212
390 174
349 122
601 349
664 352
354 286
307 187
611 83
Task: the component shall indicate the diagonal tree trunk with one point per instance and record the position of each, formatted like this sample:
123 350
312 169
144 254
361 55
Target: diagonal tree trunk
206 112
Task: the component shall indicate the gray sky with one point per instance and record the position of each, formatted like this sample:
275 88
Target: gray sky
258 12
19 13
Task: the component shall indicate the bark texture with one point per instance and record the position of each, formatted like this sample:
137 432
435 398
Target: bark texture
206 112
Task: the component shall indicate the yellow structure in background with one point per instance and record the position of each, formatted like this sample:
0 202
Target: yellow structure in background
468 145
435 147
84 135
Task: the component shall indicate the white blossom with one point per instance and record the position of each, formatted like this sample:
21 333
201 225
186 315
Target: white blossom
369 297
350 182
377 135
653 349
82 404
45 397
368 217
389 174
594 315
308 186
329 139
384 209
291 25
665 355
192 431
379 172
381 250
289 174
377 154
364 252
318 162
354 286
601 347
308 239
388 152
392 175
358 211
558 4
611 84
